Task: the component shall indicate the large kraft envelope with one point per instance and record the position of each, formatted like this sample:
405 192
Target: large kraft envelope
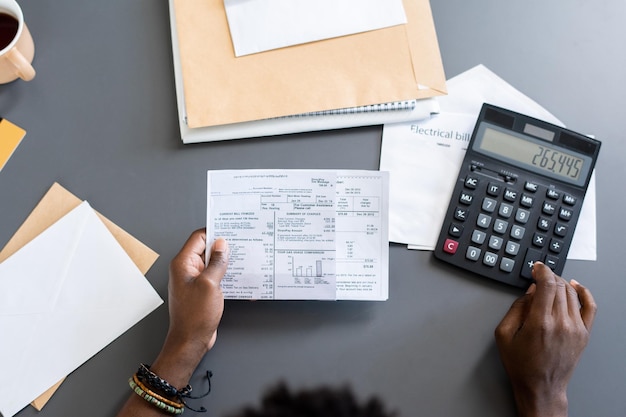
392 64
56 203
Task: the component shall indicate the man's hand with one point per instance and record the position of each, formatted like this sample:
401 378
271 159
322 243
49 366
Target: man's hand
196 302
541 339
196 305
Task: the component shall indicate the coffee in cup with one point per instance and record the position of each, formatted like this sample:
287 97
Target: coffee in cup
16 44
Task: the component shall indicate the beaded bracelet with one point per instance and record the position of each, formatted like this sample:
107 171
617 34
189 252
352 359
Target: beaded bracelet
156 383
155 395
154 401
145 374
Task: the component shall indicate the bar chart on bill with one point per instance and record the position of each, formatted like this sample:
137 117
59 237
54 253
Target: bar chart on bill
306 270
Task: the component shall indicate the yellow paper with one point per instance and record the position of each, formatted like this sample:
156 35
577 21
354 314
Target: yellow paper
55 204
10 137
367 68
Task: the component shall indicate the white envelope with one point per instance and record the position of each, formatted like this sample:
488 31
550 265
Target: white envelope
262 25
64 296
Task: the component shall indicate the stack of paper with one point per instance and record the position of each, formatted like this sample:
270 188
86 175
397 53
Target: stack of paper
349 72
64 296
424 158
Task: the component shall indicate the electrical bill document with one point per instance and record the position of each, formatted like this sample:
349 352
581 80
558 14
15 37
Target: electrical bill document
302 234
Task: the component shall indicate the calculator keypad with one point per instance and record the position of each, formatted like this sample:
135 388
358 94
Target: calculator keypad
501 228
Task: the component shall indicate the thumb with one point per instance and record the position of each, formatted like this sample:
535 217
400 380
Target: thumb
218 260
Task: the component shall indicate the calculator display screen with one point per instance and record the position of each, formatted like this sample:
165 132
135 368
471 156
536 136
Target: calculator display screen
533 154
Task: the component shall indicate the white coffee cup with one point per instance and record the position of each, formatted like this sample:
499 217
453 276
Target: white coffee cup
17 50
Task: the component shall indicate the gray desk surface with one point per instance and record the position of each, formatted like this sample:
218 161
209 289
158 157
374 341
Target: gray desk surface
101 120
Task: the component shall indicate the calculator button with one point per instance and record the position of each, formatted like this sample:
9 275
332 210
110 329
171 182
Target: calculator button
552 262
507 264
552 194
478 237
565 214
455 230
489 205
461 214
472 253
466 198
450 246
560 230
569 199
531 186
494 189
517 232
521 216
505 210
526 200
548 208
483 221
471 183
556 245
512 248
490 259
510 195
495 242
539 240
500 226
532 256
544 224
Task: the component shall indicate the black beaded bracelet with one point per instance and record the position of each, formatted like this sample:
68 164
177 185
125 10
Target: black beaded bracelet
152 380
157 383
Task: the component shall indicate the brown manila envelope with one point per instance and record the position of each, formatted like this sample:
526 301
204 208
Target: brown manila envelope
386 65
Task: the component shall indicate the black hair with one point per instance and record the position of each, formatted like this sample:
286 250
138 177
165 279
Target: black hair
324 401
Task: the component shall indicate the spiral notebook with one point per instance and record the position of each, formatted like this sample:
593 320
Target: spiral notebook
417 105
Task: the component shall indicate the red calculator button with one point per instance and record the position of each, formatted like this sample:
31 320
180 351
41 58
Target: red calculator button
450 246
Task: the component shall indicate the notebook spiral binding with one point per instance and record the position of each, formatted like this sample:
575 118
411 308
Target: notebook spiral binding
373 108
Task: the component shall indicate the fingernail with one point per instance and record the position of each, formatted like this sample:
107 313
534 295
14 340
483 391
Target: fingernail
220 245
574 282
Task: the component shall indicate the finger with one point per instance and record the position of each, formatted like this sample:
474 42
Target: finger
530 293
218 260
195 244
573 303
543 299
514 318
561 304
189 261
588 304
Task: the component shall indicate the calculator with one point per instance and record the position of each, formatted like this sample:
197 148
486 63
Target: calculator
517 198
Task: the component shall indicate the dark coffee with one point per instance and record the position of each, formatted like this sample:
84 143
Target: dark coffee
8 29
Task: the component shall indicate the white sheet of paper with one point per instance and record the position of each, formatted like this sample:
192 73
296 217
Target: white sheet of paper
362 235
63 297
424 158
301 234
262 25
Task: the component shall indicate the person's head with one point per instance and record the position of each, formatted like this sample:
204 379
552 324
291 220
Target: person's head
280 401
